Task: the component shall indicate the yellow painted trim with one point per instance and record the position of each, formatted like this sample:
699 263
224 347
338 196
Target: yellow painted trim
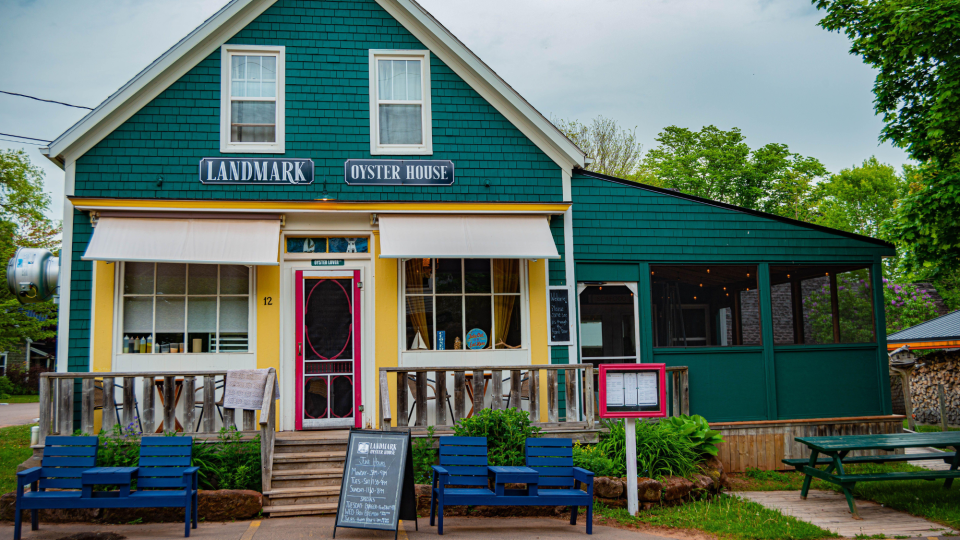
114 204
539 351
387 323
268 320
949 344
103 317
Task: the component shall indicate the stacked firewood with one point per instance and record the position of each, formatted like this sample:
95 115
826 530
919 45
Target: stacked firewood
932 370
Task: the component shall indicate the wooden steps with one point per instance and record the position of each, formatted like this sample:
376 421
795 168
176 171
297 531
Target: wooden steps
307 473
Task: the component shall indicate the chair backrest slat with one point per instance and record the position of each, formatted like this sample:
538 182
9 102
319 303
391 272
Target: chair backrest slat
162 462
65 459
466 460
553 459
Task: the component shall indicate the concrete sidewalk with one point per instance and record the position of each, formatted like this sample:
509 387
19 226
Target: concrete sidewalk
18 414
472 528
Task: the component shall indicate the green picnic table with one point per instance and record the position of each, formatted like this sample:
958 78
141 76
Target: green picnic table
836 450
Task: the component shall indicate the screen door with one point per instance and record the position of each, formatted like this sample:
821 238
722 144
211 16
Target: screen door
328 349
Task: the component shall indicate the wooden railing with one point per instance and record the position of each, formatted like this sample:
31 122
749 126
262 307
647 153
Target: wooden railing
99 391
268 429
507 386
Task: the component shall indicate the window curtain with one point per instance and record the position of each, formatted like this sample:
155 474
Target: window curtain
506 279
416 308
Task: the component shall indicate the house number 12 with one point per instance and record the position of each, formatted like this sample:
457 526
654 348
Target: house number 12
268 300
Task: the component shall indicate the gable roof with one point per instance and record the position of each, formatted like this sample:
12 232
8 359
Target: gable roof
215 31
748 211
943 328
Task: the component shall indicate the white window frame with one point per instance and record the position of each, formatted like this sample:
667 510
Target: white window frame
376 148
226 146
251 317
3 362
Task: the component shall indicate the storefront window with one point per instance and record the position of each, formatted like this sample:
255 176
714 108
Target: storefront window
327 245
175 308
462 304
822 304
607 324
705 305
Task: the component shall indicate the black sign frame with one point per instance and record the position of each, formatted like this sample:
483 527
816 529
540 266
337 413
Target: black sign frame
258 171
558 302
398 172
406 493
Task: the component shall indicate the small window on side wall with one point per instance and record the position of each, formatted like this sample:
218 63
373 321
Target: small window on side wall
817 305
252 99
705 305
400 103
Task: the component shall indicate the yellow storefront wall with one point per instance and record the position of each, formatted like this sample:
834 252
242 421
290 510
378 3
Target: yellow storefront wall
268 320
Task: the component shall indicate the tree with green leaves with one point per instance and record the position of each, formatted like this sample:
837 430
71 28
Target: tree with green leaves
915 47
614 150
859 199
23 223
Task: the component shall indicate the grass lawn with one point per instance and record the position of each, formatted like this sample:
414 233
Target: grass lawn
725 516
928 429
21 399
14 449
918 497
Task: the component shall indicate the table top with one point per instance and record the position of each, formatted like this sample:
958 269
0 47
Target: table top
111 470
882 441
511 469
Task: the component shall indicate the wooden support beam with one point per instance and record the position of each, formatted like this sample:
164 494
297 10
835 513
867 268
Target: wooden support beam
66 407
553 397
109 417
477 381
441 401
515 385
421 397
249 419
148 414
189 400
570 381
534 396
459 397
835 307
209 405
169 404
87 404
496 390
403 418
129 401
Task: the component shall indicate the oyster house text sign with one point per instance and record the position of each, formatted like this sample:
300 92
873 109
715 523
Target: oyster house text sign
260 171
398 172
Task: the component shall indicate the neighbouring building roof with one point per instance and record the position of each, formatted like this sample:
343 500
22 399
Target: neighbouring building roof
940 333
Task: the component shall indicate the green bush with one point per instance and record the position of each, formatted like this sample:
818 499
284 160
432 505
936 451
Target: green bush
697 429
592 458
6 387
506 432
424 456
660 451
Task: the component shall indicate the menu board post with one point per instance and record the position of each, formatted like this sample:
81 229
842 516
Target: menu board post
632 391
377 490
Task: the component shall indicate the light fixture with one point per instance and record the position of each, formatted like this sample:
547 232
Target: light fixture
701 284
601 287
694 297
724 288
748 275
788 276
708 270
728 294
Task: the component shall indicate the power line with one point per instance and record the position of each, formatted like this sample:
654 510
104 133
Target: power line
21 142
45 100
22 137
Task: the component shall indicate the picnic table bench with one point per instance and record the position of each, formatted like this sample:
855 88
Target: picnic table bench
464 477
838 448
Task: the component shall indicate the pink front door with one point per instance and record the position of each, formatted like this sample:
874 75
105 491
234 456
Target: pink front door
328 349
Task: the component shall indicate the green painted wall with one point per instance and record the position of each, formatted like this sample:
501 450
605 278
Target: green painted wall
819 382
726 385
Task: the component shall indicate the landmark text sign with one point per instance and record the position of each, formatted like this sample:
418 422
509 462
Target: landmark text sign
398 172
256 171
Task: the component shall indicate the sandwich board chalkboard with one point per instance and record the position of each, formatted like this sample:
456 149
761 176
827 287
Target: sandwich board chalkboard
377 489
559 316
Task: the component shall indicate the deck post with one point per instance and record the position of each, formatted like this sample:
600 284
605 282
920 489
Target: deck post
189 400
553 397
459 400
129 400
421 382
86 407
209 399
249 419
148 414
588 397
46 410
169 405
441 394
534 397
477 381
66 407
403 420
570 381
109 405
385 415
515 385
496 390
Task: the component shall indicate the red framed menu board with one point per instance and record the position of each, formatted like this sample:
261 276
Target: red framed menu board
633 390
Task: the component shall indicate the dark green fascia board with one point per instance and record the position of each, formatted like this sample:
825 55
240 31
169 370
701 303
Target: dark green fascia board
890 249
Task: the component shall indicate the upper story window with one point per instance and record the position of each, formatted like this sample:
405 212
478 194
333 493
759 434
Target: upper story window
400 103
252 99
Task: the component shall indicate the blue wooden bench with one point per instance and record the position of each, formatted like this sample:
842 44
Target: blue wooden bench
164 479
463 478
64 460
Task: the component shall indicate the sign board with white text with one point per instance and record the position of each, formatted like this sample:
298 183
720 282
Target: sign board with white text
633 390
246 171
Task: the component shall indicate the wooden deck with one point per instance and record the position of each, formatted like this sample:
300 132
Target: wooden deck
828 510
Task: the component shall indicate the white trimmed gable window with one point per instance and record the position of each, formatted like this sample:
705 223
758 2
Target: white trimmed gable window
252 99
400 103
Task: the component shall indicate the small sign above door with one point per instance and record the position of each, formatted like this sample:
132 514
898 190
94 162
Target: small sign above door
398 172
259 171
326 262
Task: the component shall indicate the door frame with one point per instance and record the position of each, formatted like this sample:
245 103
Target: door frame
355 274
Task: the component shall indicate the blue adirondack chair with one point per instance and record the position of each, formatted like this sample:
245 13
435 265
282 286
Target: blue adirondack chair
553 459
165 478
463 462
64 460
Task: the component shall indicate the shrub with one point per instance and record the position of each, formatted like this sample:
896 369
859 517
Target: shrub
25 382
697 429
906 306
660 451
423 457
6 387
506 432
592 458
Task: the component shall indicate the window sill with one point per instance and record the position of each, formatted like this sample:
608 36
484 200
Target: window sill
401 151
710 350
234 148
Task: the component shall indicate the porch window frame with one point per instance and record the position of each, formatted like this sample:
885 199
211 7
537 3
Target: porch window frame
634 288
278 146
524 310
118 310
425 148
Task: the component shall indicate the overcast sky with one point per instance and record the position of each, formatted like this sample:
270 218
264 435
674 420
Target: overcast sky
760 65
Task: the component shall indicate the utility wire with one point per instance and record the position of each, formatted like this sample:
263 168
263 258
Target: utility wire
21 142
22 137
45 100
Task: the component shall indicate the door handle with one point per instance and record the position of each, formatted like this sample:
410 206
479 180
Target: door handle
299 349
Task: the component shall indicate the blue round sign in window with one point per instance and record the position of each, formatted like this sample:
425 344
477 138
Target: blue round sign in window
476 339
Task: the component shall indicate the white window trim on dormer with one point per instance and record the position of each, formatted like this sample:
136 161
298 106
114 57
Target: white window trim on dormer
378 149
226 146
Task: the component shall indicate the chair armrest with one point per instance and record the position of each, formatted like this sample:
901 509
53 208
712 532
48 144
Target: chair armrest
440 470
28 476
586 477
190 477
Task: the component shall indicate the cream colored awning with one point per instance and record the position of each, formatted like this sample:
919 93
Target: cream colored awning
446 236
185 240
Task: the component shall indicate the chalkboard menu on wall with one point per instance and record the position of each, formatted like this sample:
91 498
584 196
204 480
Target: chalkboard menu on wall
377 489
559 317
